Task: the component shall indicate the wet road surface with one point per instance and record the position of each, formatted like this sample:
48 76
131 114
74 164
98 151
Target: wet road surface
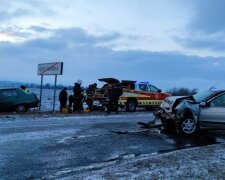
46 146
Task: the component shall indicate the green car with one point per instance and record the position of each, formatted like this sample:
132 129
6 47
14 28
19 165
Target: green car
16 99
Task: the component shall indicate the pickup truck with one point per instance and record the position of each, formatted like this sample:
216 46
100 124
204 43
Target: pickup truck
135 94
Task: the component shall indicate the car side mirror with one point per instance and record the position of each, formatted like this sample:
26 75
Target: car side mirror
159 90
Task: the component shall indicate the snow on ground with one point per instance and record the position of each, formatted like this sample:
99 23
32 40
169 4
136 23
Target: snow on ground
47 98
196 163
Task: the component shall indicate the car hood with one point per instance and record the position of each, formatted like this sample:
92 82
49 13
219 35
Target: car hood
186 104
168 102
180 99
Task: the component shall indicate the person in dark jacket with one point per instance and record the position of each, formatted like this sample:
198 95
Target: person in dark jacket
71 101
77 96
114 96
63 98
91 89
90 92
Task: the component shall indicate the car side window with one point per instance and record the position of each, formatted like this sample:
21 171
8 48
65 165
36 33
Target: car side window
9 93
143 87
152 88
219 101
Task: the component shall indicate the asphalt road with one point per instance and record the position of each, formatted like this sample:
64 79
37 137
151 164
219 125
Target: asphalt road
52 145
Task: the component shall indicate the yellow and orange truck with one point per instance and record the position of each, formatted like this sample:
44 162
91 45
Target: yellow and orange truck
135 94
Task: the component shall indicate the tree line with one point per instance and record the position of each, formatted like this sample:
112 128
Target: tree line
182 91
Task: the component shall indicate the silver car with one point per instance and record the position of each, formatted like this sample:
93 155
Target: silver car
204 110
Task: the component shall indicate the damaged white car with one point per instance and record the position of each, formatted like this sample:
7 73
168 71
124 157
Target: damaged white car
205 110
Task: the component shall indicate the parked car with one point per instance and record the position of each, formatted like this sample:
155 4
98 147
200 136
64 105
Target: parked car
16 99
204 110
135 94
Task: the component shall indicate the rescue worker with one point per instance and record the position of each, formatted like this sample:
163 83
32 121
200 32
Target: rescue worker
77 96
71 101
114 96
63 98
91 88
24 89
90 92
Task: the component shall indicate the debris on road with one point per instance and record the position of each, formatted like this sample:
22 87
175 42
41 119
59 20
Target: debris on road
128 132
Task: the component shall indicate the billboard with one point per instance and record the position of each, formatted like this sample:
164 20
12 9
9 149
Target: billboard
55 68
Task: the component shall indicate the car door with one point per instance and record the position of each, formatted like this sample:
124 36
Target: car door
213 115
9 97
154 91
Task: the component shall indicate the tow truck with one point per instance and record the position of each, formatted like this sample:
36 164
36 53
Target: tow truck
135 94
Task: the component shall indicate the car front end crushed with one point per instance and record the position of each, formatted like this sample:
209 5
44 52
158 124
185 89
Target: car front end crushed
173 113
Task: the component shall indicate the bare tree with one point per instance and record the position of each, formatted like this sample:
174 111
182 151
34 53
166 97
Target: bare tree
182 91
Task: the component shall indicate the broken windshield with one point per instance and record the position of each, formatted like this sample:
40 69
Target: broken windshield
200 97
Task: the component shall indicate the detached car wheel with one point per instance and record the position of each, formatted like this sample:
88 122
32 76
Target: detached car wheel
188 126
21 108
131 105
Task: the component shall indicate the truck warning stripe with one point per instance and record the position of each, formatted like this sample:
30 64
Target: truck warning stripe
150 103
144 103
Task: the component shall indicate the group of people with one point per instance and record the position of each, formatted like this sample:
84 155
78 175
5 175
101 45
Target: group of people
77 99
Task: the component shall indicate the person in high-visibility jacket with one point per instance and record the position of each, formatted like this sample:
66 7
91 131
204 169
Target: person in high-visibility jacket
24 89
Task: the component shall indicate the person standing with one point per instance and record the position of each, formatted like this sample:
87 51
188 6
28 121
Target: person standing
71 101
91 89
114 96
24 89
77 96
63 98
90 92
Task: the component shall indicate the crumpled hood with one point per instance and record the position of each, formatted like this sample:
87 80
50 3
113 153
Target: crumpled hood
185 103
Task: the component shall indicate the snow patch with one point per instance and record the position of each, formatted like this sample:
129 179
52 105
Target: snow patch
34 135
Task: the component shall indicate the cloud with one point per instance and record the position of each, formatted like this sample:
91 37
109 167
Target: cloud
5 15
10 10
84 59
209 16
206 29
213 42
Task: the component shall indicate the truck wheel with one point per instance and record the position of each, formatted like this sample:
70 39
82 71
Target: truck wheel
21 108
131 105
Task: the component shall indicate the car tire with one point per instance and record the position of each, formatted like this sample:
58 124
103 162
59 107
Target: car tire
188 126
131 105
21 108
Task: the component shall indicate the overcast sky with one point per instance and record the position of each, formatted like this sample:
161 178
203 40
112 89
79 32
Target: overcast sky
167 42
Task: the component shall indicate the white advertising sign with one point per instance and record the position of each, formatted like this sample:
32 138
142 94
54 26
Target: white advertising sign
55 68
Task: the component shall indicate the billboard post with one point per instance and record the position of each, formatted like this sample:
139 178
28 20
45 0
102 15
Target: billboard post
41 91
55 68
54 93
